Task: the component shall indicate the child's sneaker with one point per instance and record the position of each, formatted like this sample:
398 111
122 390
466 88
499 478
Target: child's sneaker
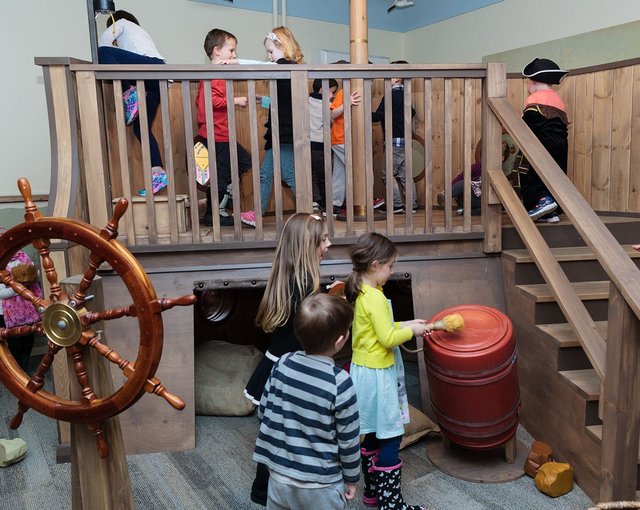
549 218
130 103
201 155
158 183
544 206
378 202
248 218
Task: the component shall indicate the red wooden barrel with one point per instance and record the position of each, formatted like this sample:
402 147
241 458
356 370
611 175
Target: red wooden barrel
473 378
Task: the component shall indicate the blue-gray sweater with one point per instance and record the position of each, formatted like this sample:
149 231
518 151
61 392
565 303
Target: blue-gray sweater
310 425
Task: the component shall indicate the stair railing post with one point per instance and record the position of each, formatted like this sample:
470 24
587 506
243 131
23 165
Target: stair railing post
621 409
495 85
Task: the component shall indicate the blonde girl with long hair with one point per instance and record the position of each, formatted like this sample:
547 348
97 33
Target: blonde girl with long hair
282 48
295 274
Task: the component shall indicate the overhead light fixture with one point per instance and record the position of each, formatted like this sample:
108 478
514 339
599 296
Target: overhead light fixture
400 4
103 6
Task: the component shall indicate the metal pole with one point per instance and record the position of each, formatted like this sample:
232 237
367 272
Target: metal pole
93 32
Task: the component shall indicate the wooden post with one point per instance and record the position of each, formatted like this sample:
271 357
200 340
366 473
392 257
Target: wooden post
495 85
96 483
621 410
359 54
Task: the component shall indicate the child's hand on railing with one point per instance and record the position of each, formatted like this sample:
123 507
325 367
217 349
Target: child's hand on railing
356 98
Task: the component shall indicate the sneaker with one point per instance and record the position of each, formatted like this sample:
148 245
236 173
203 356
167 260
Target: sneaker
248 218
460 211
158 183
201 155
397 209
316 207
227 199
378 202
544 206
131 106
549 218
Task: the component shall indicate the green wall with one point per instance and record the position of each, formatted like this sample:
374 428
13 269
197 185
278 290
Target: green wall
620 42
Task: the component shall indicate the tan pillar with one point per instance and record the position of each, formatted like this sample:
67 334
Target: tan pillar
359 54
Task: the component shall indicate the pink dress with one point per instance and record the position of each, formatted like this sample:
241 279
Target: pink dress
16 310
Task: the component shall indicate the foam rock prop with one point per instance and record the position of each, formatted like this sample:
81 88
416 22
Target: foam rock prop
554 479
539 454
12 451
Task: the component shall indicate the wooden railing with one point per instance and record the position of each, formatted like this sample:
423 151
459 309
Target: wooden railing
618 361
447 100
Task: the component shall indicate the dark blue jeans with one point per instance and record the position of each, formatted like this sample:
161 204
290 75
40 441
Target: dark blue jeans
389 449
114 55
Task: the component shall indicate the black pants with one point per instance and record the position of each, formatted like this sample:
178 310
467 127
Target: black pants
223 163
20 347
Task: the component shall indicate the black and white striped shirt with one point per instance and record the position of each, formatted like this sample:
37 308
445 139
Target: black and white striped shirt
310 425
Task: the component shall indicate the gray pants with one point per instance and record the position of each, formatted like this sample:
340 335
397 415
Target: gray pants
339 175
399 179
288 497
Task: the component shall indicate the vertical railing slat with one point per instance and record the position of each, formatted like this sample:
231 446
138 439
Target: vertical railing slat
428 158
213 160
408 157
368 156
388 156
277 169
168 162
125 176
448 147
301 141
233 157
146 162
348 157
191 173
255 160
328 154
467 141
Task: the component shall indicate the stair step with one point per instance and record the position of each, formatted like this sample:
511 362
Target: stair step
564 254
564 335
623 229
585 381
595 431
586 291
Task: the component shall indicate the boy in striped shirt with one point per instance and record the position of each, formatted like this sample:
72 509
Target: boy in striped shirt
309 432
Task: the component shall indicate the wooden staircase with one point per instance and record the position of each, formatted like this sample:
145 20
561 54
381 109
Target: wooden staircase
560 389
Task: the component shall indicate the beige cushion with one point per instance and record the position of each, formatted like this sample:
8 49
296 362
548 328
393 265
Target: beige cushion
419 426
222 371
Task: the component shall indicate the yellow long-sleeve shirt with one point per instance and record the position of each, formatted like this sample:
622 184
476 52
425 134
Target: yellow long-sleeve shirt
374 331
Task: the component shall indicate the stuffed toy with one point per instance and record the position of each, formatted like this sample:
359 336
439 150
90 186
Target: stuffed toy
24 273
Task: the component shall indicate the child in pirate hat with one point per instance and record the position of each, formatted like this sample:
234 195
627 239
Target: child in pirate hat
545 114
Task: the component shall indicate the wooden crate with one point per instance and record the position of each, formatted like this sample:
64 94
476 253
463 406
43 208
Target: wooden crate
161 205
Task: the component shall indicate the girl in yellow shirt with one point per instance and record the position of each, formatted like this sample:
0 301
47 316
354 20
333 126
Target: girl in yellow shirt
377 370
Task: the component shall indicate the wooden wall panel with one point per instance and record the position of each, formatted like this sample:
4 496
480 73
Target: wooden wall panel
582 149
620 138
602 110
634 177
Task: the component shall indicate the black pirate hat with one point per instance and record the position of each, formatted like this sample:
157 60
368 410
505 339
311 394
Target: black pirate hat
543 70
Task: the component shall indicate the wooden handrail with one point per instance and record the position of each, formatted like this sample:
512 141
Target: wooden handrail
620 268
572 307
